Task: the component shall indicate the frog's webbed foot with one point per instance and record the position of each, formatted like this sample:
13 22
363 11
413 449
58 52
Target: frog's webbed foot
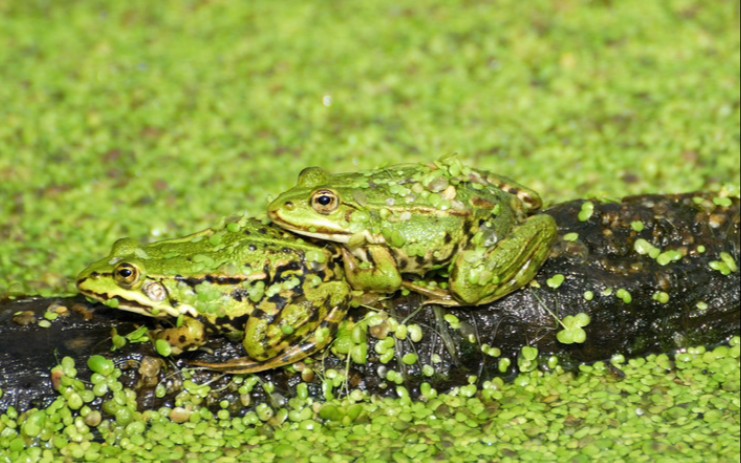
245 365
309 345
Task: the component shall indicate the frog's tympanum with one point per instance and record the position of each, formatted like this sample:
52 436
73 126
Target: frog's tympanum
479 230
254 282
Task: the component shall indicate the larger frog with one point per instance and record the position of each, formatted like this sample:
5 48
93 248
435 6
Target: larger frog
251 281
479 229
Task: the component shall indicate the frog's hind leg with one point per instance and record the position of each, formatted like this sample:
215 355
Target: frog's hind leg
314 342
484 275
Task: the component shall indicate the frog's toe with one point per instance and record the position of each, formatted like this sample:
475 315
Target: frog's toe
240 366
245 365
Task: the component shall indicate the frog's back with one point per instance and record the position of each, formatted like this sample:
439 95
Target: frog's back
529 199
236 247
447 189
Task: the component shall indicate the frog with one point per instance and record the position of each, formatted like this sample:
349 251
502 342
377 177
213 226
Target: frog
482 234
281 296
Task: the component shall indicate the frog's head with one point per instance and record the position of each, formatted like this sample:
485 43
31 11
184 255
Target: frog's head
120 281
320 206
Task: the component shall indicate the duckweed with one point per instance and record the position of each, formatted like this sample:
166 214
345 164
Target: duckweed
624 295
722 201
726 265
100 365
668 257
504 364
453 321
415 332
163 347
573 332
571 237
587 209
410 359
643 247
491 351
555 281
79 122
661 297
527 360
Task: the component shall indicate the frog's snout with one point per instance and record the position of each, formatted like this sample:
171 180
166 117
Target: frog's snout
84 276
276 207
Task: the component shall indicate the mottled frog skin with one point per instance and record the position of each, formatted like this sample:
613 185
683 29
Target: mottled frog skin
480 231
244 279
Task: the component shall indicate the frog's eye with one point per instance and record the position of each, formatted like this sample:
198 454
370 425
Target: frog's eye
126 274
325 201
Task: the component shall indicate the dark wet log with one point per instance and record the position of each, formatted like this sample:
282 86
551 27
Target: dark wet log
639 304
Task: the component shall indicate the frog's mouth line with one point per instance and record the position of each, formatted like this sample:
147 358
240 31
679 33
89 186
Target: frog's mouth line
327 234
125 304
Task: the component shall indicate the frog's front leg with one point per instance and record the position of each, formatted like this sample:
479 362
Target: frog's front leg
483 275
277 336
372 268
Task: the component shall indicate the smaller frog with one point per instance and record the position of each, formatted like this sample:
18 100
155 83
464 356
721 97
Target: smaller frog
480 231
281 296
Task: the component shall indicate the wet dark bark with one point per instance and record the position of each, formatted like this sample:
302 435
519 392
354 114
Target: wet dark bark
602 260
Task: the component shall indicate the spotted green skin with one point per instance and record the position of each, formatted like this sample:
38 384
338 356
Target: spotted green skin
479 230
278 294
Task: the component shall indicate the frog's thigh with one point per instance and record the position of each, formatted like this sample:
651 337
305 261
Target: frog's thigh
482 277
381 274
314 342
272 329
311 343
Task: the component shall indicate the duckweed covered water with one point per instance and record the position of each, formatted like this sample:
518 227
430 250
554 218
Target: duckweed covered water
685 408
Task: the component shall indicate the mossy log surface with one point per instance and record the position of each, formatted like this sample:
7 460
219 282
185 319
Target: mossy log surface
596 254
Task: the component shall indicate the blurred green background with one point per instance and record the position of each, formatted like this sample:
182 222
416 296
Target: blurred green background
151 119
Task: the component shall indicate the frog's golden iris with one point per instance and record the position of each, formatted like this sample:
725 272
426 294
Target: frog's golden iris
325 201
126 275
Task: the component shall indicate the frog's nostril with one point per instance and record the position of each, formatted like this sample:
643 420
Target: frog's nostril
288 205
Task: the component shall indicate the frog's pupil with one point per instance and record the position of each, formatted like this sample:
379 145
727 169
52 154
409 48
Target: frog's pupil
125 272
324 200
